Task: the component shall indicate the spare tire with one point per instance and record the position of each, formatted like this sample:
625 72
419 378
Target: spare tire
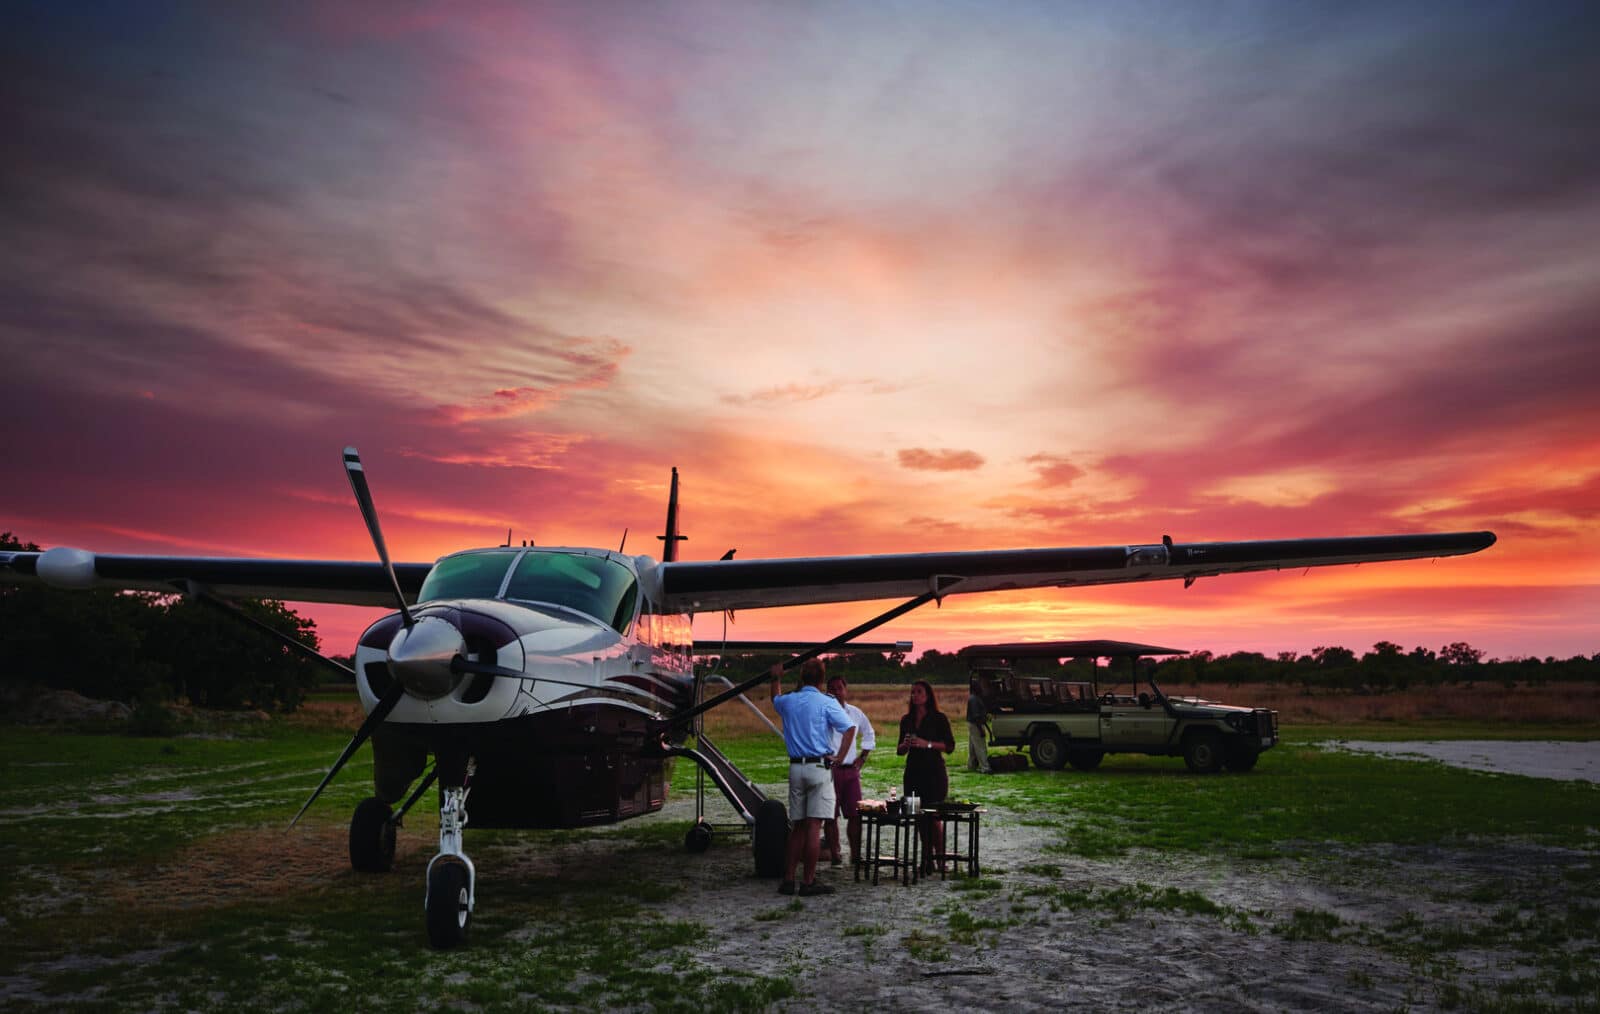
769 839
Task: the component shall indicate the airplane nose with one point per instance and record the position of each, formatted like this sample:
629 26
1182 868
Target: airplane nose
420 657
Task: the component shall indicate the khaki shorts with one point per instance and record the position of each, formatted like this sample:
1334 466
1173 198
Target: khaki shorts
810 792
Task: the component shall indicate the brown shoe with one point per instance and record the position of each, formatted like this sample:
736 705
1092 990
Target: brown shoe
812 889
787 887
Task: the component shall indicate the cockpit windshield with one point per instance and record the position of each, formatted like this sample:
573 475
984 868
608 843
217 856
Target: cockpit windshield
594 585
468 576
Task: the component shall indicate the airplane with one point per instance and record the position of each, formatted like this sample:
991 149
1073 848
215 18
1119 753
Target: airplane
556 685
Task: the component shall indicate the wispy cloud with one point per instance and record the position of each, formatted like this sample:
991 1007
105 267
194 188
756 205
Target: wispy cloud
791 392
795 391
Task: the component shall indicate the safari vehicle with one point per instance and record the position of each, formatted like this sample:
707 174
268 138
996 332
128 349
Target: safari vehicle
1064 721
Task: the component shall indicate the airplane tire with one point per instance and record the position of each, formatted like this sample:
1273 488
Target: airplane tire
1202 752
699 837
448 913
372 837
770 838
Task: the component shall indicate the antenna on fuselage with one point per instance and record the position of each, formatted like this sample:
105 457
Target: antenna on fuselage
669 549
508 538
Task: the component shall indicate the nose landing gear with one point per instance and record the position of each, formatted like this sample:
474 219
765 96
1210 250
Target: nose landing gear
452 879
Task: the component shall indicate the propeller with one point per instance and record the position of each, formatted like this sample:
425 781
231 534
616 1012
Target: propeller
424 650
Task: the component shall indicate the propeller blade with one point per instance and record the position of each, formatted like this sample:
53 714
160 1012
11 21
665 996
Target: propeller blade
369 514
385 705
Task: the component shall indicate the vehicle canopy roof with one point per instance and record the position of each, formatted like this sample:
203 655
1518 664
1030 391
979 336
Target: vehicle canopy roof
1063 649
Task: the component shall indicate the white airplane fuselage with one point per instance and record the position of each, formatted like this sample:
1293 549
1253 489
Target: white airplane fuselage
575 737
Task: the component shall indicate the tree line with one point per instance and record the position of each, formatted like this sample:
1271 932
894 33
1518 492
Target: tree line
143 647
1387 667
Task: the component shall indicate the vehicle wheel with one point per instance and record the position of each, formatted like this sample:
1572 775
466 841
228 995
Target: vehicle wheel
1202 751
770 838
1238 757
699 837
449 911
372 836
1048 751
1085 760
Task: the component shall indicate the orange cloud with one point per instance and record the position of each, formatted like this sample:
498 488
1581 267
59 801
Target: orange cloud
942 460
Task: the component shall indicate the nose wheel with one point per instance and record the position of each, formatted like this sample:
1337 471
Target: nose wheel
452 880
449 901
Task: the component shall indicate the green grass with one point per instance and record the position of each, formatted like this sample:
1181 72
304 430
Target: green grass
110 798
1297 796
85 812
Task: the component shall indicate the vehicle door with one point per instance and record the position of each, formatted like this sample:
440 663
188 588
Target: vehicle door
1133 723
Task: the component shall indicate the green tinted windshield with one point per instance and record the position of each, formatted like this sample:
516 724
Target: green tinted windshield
471 576
591 584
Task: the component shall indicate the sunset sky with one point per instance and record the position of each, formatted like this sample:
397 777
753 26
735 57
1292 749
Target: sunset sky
877 277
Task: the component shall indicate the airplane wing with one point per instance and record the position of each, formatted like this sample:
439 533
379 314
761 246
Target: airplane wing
754 584
348 583
704 586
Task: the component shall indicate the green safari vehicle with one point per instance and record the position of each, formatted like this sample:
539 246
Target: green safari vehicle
1065 721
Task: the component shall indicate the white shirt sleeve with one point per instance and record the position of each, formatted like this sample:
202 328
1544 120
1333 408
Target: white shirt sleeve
865 737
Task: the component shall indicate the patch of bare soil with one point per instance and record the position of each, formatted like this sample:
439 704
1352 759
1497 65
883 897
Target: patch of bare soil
244 865
1563 761
902 948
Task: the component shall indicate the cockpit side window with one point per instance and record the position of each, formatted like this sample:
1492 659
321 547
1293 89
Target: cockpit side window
469 576
594 585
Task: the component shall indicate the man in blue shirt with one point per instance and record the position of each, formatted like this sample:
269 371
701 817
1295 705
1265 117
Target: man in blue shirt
810 717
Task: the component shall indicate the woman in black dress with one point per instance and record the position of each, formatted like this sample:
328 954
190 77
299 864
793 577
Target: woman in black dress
925 737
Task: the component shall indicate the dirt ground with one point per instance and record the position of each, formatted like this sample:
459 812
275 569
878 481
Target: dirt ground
1034 958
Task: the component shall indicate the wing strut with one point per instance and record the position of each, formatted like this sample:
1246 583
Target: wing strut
804 656
199 594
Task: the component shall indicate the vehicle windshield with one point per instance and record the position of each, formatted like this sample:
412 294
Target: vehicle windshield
602 588
469 576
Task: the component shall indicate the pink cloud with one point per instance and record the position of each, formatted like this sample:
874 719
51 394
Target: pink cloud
1053 470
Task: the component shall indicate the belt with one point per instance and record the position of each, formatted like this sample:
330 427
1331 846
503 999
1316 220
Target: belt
826 762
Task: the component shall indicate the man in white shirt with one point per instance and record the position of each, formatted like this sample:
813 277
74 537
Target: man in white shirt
847 776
